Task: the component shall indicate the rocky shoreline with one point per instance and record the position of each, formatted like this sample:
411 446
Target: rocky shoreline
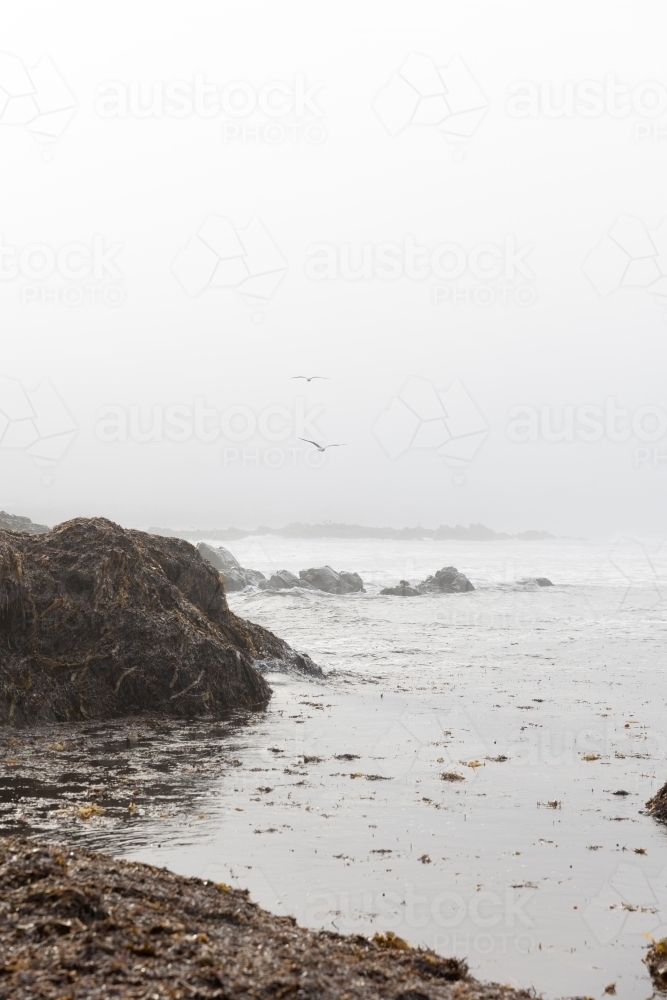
448 580
85 926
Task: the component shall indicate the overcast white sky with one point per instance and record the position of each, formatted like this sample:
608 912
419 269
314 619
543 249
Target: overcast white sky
514 258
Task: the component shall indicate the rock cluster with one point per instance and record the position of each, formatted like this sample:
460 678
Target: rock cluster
324 578
97 621
446 581
236 577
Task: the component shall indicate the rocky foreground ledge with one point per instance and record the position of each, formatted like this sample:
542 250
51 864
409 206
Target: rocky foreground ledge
84 926
97 622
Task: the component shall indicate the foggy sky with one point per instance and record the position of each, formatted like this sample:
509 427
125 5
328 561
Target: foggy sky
489 276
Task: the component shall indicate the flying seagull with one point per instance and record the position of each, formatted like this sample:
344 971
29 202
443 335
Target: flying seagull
323 447
309 378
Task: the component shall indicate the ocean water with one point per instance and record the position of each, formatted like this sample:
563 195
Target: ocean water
538 705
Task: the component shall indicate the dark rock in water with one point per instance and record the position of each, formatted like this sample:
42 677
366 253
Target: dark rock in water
445 581
12 522
330 582
656 962
657 806
284 580
540 581
235 576
219 557
353 581
235 580
99 622
404 589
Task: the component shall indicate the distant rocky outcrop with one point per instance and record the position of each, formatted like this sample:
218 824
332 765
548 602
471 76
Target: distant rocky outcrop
12 522
473 533
97 622
539 581
404 589
235 576
446 581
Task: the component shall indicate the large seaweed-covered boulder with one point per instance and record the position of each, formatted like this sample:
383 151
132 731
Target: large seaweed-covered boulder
97 621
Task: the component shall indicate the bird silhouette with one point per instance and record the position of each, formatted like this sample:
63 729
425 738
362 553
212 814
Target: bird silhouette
309 378
323 447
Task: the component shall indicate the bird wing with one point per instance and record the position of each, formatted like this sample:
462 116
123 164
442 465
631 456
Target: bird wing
308 441
341 444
